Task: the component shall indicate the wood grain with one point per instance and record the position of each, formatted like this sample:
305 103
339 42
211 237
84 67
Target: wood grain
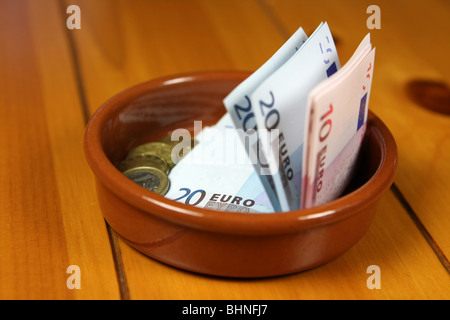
409 270
52 79
168 283
410 45
49 218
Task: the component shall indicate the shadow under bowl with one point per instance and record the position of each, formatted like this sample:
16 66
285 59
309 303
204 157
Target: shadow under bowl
222 243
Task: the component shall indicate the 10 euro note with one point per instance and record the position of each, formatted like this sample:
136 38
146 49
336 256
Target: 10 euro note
337 115
280 102
217 174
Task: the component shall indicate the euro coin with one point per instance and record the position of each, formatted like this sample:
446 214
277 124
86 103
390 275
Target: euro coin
143 161
152 179
159 149
168 140
172 144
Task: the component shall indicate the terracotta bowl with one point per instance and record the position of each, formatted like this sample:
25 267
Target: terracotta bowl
221 243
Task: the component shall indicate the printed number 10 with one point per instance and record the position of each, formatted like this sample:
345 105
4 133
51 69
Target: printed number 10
325 129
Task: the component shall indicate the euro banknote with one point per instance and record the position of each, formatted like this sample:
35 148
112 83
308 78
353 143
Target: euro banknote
218 175
291 135
336 124
241 107
280 102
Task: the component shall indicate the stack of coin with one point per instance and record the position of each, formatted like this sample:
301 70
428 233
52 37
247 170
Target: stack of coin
149 164
158 149
149 171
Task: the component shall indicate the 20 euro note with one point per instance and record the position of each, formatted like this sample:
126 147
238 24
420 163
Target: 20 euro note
240 106
280 102
217 174
337 117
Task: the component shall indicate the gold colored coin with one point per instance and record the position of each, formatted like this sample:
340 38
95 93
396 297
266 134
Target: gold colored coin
150 178
143 161
168 140
159 149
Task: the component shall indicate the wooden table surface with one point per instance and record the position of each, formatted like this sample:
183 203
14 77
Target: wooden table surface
52 79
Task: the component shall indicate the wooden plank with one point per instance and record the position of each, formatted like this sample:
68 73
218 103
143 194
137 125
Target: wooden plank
408 270
122 43
49 217
151 39
410 45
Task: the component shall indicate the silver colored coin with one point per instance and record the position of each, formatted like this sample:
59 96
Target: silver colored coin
159 149
142 161
151 179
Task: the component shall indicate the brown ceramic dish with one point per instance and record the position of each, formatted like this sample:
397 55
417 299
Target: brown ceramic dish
212 242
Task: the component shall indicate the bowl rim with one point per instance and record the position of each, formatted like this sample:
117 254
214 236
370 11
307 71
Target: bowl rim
109 177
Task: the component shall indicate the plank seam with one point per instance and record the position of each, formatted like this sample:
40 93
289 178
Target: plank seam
120 269
423 230
115 247
430 240
77 70
274 18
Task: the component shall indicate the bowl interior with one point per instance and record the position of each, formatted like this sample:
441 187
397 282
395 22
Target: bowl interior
154 109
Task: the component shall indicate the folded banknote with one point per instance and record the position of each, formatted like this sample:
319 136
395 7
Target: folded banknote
218 175
291 136
280 102
336 122
240 107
